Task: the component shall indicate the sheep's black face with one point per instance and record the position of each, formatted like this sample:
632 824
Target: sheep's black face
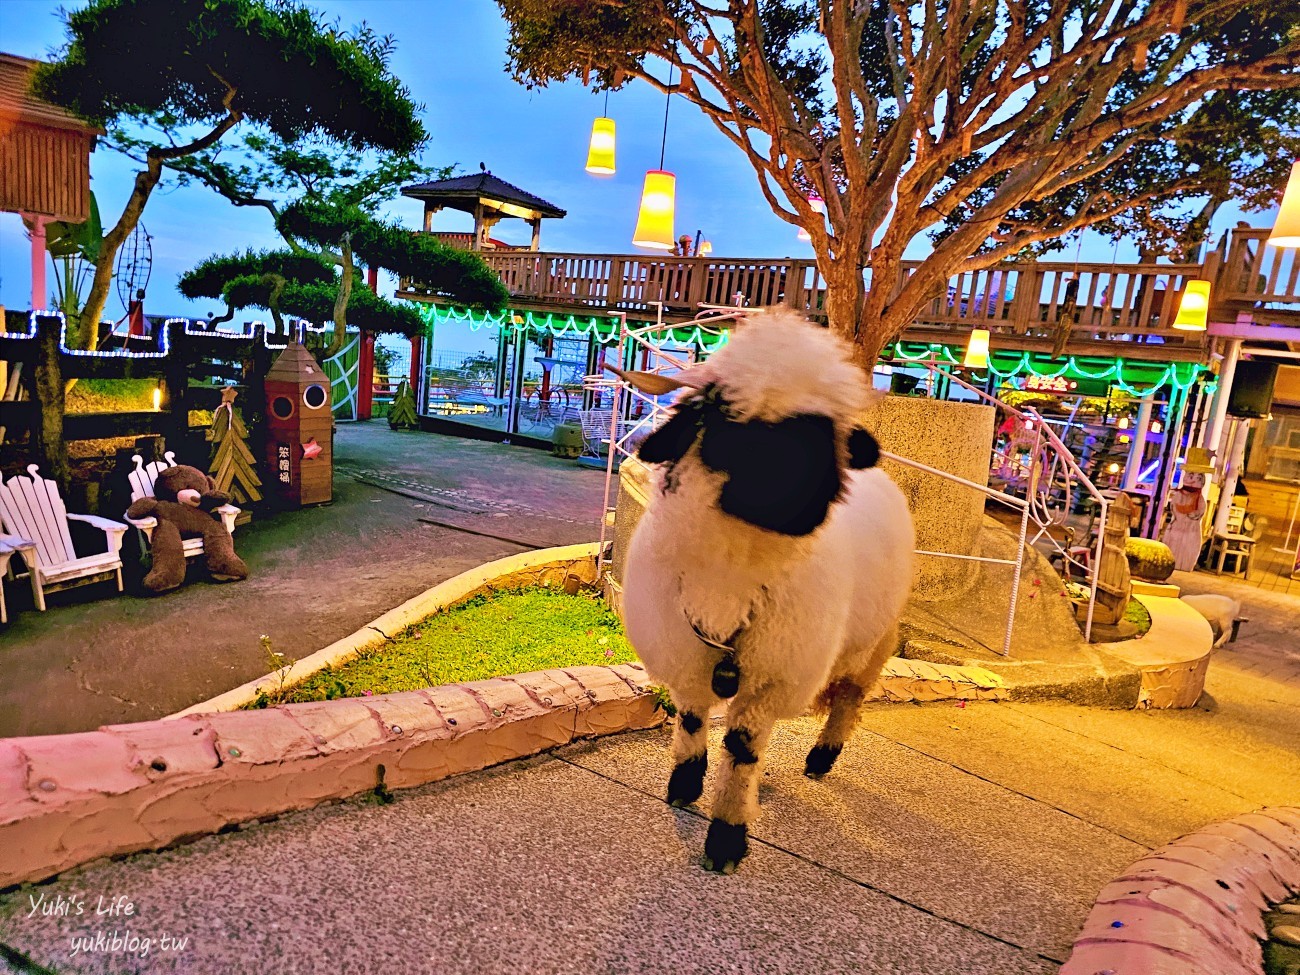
782 476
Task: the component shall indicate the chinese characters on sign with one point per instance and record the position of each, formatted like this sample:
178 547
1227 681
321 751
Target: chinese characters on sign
282 453
1054 384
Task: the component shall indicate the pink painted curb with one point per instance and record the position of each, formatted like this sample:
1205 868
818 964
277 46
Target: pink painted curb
68 799
1196 905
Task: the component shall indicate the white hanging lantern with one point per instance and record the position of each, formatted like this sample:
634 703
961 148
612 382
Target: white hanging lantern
1286 230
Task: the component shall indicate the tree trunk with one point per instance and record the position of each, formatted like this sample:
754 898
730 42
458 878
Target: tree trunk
93 311
846 294
145 182
341 301
49 447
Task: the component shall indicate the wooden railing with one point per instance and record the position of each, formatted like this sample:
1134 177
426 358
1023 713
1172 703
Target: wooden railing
1100 302
1253 272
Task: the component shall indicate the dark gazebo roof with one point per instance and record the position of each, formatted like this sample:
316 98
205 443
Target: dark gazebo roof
494 193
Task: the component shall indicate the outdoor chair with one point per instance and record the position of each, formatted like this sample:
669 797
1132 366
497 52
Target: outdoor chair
31 508
1237 546
11 545
142 481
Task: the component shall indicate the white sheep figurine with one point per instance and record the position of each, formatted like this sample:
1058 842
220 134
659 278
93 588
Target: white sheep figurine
772 565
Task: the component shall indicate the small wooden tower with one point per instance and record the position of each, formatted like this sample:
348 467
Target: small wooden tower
299 429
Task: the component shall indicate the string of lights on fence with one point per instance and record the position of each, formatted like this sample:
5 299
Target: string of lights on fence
559 326
164 341
1071 369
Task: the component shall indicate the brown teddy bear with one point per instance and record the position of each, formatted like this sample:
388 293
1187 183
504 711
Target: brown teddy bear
184 503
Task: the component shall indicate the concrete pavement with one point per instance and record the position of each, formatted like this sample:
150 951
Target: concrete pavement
948 841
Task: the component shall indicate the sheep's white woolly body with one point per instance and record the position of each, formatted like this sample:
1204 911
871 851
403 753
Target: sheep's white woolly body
806 604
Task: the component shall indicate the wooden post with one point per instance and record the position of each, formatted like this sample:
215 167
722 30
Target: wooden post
366 377
49 448
175 391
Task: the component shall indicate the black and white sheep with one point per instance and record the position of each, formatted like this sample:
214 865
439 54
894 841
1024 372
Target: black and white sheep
772 563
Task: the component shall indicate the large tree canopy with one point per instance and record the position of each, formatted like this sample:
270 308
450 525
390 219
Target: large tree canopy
191 70
993 126
325 201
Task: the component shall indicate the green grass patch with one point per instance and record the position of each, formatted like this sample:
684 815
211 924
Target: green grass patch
1137 614
111 395
505 632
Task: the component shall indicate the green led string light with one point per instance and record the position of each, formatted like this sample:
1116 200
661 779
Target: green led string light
1179 375
559 326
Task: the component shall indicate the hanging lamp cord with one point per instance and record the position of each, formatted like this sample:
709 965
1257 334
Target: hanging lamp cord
606 112
668 101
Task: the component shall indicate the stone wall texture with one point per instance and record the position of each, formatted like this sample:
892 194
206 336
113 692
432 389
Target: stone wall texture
69 799
951 437
1196 905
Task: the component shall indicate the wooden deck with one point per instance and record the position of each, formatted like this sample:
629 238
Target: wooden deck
1023 304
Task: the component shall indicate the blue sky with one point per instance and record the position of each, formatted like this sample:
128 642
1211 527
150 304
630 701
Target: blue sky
451 54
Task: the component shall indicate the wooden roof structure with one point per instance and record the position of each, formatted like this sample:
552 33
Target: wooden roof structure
44 150
488 198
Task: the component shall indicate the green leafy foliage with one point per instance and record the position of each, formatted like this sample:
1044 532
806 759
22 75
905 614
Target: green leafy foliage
190 61
508 632
215 276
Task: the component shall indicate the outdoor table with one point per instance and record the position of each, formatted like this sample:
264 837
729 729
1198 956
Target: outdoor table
11 545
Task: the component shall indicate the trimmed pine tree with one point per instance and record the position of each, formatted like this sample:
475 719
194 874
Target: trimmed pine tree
231 464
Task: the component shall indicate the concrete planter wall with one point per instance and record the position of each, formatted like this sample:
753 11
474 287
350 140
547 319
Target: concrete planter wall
952 437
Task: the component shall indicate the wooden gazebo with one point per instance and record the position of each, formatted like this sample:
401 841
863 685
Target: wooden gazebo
488 198
44 161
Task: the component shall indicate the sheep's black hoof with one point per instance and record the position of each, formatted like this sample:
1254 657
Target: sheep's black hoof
725 846
820 760
726 678
687 781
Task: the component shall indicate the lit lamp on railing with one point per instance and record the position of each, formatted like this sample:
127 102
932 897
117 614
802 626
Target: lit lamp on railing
157 397
705 250
600 152
1194 307
1286 230
977 349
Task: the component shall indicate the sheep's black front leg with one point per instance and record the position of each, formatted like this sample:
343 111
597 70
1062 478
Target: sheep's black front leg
746 740
690 754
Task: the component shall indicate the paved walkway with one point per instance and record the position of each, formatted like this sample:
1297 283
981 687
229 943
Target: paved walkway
317 575
948 841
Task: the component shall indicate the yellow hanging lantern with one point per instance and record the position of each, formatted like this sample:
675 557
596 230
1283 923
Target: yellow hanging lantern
706 248
1286 230
1194 308
654 224
600 153
977 350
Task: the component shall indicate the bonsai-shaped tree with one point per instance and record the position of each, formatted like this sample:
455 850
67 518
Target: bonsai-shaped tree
190 71
325 202
994 125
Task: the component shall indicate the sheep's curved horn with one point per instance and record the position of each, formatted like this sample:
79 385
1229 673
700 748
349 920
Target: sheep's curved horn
652 383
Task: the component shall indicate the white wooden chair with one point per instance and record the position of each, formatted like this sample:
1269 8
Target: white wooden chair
142 481
31 508
11 545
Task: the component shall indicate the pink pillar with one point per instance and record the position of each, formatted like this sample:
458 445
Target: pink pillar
39 298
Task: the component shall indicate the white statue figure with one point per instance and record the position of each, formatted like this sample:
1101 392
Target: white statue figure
1187 508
